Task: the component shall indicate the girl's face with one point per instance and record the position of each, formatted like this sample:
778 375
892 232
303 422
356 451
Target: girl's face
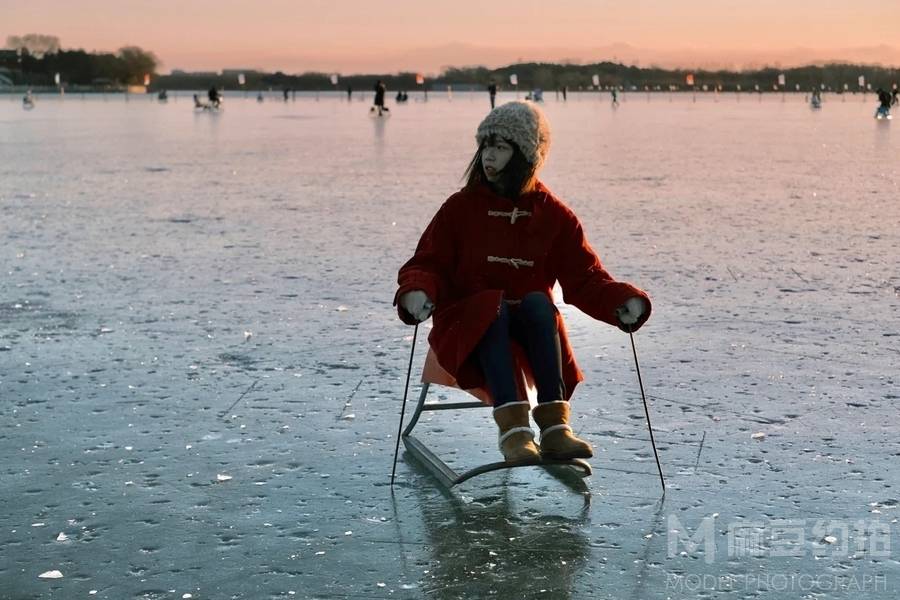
494 156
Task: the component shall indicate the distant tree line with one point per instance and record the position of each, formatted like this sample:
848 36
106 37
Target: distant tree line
35 59
549 76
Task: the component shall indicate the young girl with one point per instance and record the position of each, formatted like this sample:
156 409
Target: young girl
486 266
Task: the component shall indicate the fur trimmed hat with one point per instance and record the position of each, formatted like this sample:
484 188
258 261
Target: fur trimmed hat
521 123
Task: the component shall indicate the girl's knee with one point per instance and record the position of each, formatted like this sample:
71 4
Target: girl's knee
536 299
536 306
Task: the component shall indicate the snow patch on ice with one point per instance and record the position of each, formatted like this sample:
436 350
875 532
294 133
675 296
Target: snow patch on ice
54 574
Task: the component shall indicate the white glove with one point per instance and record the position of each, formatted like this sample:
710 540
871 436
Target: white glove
630 312
418 304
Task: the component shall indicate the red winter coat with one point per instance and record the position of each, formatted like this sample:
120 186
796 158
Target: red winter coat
481 248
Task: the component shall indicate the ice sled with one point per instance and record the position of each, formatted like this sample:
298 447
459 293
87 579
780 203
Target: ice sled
433 374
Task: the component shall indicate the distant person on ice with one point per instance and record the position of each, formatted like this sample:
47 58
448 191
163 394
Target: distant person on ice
379 98
492 92
815 99
215 99
485 268
884 103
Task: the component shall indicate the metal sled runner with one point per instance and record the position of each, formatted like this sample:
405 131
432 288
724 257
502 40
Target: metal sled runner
443 472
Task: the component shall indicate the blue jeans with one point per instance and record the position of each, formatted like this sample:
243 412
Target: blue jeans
532 323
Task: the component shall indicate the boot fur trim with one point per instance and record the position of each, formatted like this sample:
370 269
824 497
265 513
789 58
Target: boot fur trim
515 430
504 435
502 406
553 428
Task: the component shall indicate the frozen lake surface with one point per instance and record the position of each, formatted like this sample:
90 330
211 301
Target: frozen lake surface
202 373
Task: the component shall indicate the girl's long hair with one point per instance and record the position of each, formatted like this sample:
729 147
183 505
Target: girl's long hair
516 178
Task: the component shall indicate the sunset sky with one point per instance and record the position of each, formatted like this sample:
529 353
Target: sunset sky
354 36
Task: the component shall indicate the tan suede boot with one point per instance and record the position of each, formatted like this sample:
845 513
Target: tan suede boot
557 441
516 437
